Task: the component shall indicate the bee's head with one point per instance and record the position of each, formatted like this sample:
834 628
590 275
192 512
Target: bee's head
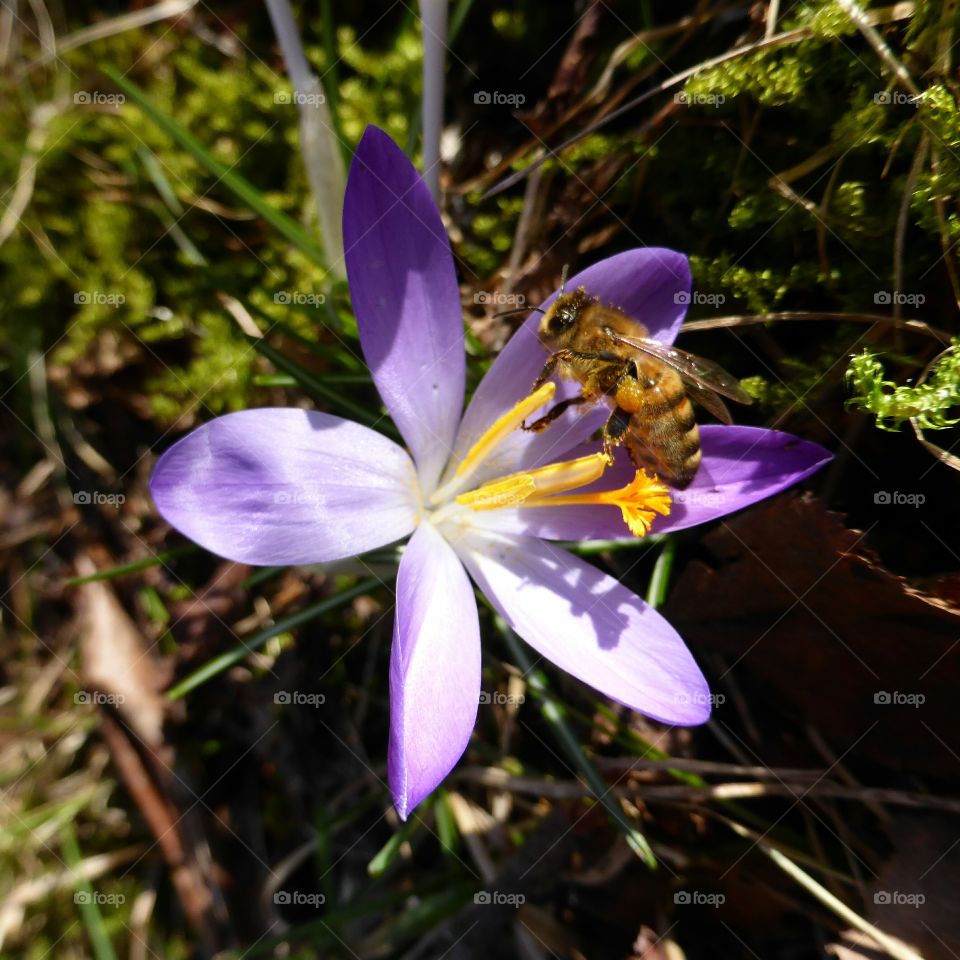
564 313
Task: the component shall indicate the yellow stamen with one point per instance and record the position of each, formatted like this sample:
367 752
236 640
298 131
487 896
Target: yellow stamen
639 501
506 425
495 435
517 489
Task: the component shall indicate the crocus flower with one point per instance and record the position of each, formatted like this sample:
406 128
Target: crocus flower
477 497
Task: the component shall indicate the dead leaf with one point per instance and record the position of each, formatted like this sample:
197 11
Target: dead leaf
794 599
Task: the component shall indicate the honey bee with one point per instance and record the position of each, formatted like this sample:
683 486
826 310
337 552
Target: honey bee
648 384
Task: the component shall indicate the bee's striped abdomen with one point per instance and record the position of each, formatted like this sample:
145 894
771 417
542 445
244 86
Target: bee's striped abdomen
663 434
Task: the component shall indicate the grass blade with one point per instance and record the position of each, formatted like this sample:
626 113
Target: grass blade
660 578
85 899
134 567
321 390
225 660
391 849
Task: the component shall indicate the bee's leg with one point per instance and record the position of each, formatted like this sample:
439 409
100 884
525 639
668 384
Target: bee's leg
614 430
560 356
556 411
547 372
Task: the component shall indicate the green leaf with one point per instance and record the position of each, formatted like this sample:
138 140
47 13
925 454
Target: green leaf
446 824
660 578
391 849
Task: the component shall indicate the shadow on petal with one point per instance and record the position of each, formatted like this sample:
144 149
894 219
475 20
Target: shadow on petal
589 625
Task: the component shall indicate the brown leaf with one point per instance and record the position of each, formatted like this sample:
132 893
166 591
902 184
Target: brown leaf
117 664
798 601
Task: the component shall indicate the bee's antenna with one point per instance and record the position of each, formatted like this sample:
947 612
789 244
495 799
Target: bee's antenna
563 278
508 313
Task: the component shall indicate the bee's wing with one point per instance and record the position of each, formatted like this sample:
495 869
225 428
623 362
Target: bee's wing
710 401
703 374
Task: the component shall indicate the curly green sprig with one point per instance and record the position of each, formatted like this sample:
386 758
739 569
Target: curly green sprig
929 402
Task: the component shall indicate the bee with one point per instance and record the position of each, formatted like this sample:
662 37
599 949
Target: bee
648 384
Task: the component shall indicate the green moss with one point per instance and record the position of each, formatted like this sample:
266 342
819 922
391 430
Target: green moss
95 251
867 122
759 291
595 147
930 403
97 222
827 20
771 77
387 83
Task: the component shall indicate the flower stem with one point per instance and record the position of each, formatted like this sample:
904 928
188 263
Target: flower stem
660 578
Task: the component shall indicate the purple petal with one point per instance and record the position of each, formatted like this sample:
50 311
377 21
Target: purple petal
740 466
404 291
590 625
434 668
649 283
286 486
